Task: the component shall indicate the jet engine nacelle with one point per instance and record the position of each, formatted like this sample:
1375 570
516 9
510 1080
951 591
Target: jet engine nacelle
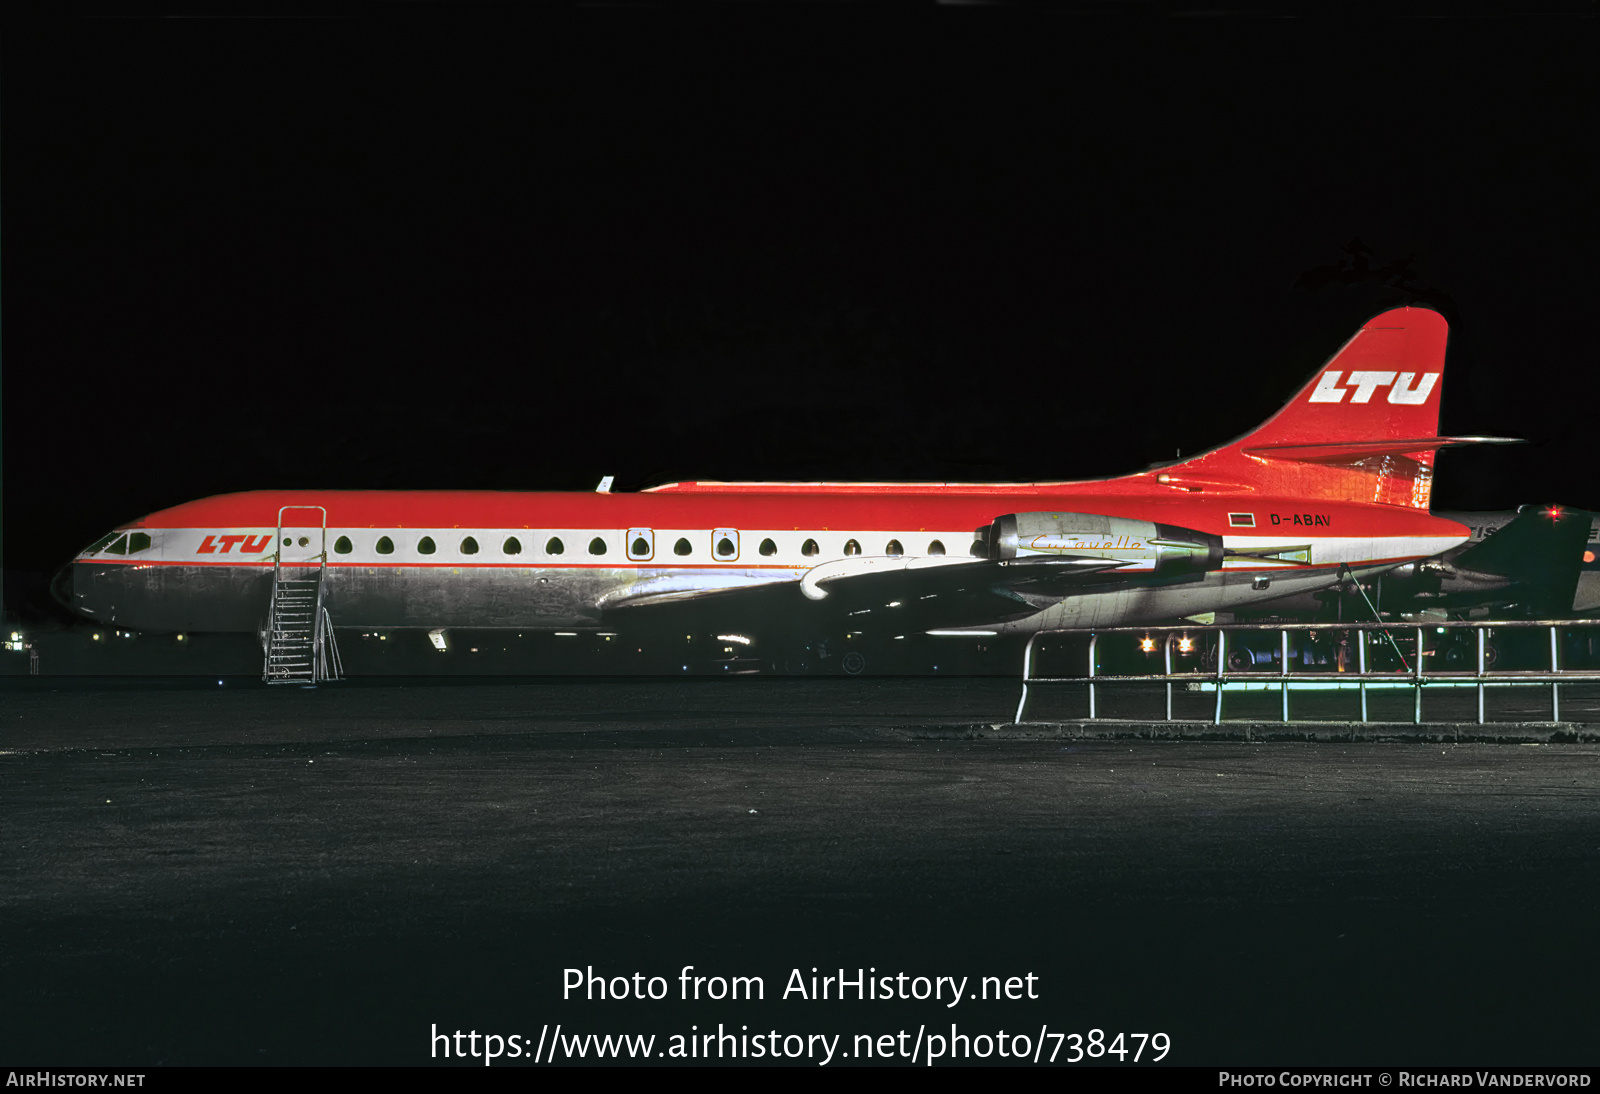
1168 548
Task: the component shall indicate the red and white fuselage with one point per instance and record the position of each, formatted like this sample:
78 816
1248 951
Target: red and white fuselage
1336 483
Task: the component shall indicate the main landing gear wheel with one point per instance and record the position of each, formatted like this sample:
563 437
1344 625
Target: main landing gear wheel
853 662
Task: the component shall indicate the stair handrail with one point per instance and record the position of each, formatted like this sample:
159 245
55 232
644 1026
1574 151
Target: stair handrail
337 666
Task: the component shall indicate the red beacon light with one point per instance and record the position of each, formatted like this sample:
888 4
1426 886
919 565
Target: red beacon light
1553 512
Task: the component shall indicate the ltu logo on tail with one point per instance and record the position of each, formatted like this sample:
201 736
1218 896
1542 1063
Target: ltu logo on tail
1408 389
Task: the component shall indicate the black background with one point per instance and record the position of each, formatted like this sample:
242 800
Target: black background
468 249
473 250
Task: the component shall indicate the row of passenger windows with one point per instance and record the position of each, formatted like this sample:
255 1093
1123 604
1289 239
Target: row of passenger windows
724 548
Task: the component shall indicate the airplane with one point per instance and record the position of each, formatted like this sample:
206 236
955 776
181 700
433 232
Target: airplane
1537 562
1335 487
1559 577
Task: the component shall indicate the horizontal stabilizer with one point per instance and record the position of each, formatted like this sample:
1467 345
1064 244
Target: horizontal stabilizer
1347 451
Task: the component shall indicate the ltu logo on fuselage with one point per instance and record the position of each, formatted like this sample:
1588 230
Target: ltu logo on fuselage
1408 389
251 544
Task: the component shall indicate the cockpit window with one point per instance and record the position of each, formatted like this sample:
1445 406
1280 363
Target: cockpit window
138 541
99 544
118 548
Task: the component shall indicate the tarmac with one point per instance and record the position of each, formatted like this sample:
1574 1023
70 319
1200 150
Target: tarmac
198 873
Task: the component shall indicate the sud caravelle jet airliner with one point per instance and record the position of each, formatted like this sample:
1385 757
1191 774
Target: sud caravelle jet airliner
1333 487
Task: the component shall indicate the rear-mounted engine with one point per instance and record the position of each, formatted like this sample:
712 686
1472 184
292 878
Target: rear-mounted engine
1167 548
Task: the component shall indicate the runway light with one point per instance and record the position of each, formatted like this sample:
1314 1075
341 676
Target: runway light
739 638
1147 644
1185 644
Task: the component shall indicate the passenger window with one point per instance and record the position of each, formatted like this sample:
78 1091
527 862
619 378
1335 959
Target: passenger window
469 546
138 541
554 547
118 548
512 546
810 548
681 547
724 547
936 548
894 550
597 546
425 545
725 543
852 548
978 550
768 548
641 546
342 545
385 546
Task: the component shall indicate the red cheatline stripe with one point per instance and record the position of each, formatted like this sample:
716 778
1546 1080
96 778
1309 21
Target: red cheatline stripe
628 565
1289 568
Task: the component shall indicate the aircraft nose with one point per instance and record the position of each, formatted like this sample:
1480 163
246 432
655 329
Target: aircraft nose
68 591
61 587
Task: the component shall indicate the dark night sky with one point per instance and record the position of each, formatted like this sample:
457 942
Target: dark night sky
486 253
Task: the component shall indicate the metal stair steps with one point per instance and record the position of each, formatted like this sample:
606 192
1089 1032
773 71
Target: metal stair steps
298 650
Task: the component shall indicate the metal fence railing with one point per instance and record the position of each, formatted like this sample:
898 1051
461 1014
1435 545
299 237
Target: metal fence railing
1363 656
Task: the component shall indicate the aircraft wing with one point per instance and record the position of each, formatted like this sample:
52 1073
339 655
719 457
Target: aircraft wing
874 576
986 589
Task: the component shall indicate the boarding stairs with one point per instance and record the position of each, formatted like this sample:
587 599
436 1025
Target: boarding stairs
300 647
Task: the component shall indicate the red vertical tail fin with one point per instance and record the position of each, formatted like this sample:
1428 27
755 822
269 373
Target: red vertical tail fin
1365 428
